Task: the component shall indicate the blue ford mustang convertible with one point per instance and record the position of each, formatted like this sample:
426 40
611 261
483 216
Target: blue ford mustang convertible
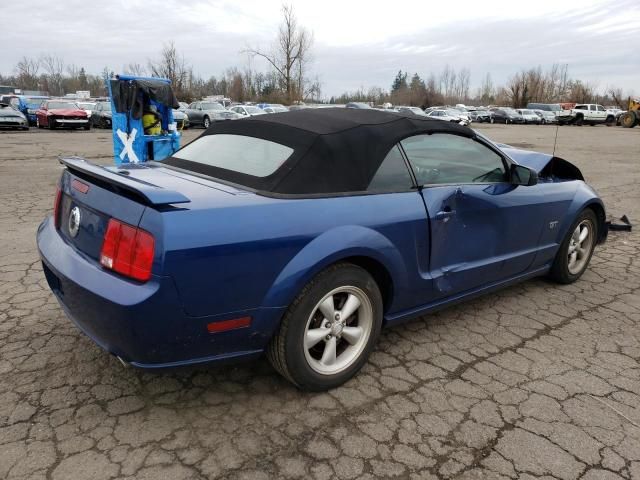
301 234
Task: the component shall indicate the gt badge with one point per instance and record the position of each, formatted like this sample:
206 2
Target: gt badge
553 224
74 222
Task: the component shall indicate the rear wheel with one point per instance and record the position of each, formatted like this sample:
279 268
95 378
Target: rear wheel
329 330
575 251
628 120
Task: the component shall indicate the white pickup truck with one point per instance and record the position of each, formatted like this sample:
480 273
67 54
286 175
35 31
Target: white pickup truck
586 113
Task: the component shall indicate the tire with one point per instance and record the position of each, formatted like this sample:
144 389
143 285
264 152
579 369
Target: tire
579 120
491 120
307 368
38 123
628 120
506 121
561 270
87 126
51 123
610 121
206 123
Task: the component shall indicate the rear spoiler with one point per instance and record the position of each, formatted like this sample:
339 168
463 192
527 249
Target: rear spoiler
152 194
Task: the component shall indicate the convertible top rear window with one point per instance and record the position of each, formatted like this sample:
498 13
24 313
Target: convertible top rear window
239 153
320 151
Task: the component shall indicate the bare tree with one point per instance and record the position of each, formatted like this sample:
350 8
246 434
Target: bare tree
53 67
27 71
171 65
288 57
134 69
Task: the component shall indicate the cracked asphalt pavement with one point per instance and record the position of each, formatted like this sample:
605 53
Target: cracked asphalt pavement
536 381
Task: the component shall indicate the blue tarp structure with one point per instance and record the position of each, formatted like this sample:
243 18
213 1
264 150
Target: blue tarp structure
130 97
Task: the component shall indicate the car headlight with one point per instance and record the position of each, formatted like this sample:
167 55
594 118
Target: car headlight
31 111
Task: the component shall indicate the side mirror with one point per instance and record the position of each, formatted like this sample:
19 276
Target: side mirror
521 175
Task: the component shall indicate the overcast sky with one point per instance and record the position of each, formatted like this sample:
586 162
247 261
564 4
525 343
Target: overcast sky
356 43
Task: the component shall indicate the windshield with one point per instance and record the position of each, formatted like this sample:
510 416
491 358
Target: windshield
106 106
453 113
250 109
526 112
87 106
62 105
238 153
212 106
34 102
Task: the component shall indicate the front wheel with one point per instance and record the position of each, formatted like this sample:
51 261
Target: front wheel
575 251
206 123
329 330
579 120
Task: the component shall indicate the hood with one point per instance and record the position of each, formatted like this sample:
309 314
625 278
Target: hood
543 164
68 112
10 112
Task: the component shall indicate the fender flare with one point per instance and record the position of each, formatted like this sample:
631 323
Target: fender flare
586 197
328 248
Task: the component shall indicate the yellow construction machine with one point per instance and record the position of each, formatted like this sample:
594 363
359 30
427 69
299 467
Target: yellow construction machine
631 117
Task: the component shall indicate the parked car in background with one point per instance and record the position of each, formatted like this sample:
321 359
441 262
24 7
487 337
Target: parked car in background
28 105
183 106
273 107
237 246
480 116
546 116
247 110
506 115
415 110
529 116
88 107
12 118
460 112
101 115
447 116
181 119
205 113
58 113
360 105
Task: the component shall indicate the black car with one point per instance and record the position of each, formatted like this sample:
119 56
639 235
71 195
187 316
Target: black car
506 115
101 115
12 118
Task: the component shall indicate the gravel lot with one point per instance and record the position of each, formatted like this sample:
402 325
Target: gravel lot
537 381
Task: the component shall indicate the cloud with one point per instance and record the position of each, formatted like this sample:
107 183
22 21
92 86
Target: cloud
357 44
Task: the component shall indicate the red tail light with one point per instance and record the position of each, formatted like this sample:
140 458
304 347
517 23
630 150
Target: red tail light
127 250
56 207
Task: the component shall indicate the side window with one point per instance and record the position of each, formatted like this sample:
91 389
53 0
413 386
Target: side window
600 108
392 174
442 158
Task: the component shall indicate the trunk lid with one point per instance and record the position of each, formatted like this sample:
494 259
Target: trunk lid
92 194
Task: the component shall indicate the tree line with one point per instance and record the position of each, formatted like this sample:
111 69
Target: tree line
451 87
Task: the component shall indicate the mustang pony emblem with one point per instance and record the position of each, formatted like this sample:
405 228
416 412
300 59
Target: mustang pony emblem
74 222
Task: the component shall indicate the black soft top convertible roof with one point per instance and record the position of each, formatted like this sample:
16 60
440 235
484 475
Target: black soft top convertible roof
336 150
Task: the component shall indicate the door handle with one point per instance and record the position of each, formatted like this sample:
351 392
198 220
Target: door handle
445 214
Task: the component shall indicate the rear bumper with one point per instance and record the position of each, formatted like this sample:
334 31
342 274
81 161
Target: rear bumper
143 324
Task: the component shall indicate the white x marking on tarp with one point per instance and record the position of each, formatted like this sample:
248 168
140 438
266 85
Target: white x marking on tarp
127 142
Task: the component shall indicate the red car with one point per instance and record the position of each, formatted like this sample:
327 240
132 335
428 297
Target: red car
58 113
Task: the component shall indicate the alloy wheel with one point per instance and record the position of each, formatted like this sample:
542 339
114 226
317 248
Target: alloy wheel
338 330
580 247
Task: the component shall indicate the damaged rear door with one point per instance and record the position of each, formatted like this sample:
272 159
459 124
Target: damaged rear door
483 229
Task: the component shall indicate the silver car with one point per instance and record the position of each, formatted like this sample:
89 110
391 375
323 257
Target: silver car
247 110
204 113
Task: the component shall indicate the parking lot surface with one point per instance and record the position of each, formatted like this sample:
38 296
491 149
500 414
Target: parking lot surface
535 381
